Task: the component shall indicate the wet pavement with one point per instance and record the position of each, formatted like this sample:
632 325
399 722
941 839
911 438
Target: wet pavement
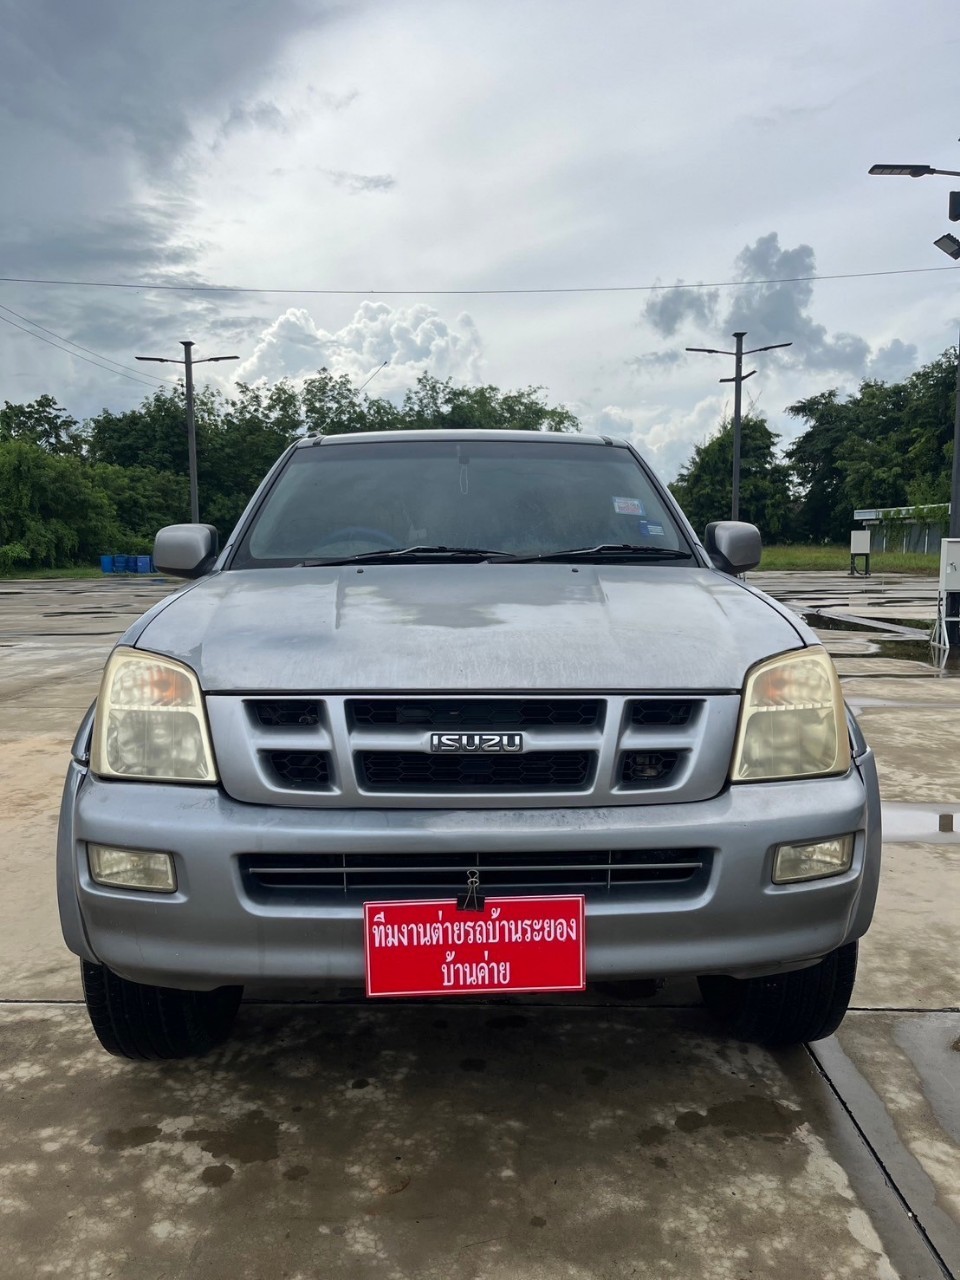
534 1139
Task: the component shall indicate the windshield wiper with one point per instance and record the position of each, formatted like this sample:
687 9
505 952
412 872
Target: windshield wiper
606 550
388 555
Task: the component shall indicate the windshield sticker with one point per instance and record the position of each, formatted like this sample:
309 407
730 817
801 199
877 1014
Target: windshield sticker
655 530
628 507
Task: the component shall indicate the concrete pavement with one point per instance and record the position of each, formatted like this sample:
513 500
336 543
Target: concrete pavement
533 1139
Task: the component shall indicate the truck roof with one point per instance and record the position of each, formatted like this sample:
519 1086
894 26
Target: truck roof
523 437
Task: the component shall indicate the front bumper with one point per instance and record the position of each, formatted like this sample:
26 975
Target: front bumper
210 932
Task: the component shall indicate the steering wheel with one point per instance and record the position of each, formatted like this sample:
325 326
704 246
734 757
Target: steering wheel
355 532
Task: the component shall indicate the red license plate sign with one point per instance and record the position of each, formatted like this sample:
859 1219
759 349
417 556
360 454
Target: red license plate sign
513 944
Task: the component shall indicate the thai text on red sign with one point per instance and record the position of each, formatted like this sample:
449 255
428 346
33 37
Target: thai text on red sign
512 944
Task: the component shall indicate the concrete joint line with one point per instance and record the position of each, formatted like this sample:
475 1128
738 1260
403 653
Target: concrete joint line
829 1049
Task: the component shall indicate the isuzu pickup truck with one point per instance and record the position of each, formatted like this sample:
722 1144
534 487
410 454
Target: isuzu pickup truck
465 712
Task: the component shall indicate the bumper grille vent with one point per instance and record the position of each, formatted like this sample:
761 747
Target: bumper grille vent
306 876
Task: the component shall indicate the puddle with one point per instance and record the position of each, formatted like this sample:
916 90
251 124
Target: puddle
920 823
886 650
909 628
914 650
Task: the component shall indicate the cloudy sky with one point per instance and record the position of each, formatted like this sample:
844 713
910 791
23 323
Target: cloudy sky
420 164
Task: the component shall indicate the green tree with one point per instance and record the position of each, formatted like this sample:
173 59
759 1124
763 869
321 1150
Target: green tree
42 422
70 493
331 405
435 404
241 442
704 486
153 435
51 511
815 459
888 445
142 501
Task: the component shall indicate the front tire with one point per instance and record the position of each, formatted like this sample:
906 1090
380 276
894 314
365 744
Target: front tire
141 1022
785 1008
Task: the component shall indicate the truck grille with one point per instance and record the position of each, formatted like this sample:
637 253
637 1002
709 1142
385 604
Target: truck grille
309 877
419 771
304 749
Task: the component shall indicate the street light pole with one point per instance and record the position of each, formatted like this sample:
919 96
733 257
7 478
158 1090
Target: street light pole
188 362
951 247
952 601
738 379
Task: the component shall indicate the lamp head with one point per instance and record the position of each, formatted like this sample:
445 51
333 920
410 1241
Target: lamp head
900 170
949 244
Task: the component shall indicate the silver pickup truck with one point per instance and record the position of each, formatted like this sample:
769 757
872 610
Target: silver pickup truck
464 668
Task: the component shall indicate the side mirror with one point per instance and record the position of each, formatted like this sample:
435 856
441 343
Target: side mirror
186 550
733 546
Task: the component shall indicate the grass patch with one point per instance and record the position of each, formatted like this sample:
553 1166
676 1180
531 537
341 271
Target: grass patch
837 558
72 571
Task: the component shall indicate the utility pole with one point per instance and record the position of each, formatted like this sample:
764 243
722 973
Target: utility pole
188 362
738 379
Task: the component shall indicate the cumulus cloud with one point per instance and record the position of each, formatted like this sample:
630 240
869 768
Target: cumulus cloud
663 434
769 313
410 340
781 312
669 309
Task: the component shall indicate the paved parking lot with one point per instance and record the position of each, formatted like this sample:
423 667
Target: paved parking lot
531 1139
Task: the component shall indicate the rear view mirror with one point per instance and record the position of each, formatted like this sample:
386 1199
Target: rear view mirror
186 550
733 546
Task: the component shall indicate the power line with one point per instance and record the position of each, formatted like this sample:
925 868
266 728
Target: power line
86 359
387 293
78 345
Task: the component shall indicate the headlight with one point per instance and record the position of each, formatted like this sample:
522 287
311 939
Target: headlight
792 720
150 721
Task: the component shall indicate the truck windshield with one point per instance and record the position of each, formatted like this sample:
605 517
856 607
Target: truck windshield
506 497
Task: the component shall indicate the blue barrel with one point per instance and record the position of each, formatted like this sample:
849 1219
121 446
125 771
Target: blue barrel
143 564
106 564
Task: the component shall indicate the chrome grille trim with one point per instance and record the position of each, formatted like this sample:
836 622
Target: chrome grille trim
701 746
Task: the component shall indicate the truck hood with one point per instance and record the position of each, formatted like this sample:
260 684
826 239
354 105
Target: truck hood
474 627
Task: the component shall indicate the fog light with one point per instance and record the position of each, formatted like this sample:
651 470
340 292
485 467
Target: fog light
131 869
812 861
